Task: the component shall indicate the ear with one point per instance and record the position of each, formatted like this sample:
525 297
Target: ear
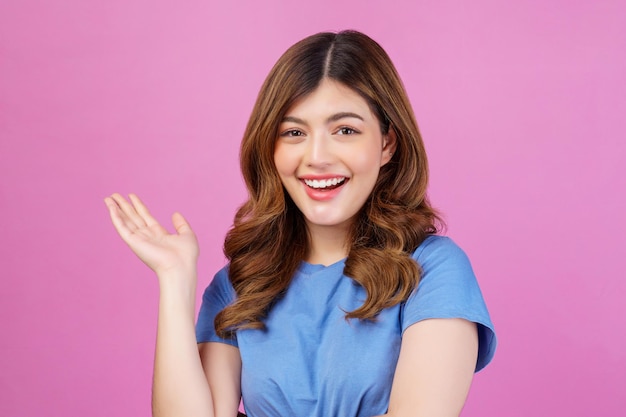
390 142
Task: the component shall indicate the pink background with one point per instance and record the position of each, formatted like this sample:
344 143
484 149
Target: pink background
522 108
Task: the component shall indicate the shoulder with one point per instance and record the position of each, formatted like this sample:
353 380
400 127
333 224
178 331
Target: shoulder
448 288
220 287
436 248
218 294
440 255
444 267
445 271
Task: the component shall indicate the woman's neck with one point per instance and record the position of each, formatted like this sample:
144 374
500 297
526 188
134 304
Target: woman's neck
327 244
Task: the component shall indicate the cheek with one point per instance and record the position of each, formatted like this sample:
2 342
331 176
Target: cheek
284 162
367 161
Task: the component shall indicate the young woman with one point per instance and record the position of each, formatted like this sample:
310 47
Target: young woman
339 298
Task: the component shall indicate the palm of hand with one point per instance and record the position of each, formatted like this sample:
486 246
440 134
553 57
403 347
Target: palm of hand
152 243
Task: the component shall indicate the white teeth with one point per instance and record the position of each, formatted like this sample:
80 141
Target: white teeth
324 183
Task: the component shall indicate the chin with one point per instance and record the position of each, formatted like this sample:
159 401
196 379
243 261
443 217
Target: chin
326 221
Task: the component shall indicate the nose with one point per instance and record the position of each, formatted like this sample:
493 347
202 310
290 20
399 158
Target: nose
319 151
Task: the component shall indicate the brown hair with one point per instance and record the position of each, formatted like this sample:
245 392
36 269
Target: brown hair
269 238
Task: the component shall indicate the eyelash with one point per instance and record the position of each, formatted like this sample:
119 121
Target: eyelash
342 130
294 133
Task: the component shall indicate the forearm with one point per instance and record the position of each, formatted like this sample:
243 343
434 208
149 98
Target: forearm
180 387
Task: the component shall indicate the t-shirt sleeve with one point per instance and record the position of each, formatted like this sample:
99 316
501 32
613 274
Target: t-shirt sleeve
217 295
448 289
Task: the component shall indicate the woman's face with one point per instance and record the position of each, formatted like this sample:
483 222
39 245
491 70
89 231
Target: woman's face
329 152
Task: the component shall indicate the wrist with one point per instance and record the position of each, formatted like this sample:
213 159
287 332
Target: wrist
181 281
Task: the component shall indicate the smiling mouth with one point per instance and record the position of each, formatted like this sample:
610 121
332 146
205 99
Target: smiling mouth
328 184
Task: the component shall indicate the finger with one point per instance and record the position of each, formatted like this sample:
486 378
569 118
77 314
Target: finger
135 220
117 218
180 224
142 210
122 217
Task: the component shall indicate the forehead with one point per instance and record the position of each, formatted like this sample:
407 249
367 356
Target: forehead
328 98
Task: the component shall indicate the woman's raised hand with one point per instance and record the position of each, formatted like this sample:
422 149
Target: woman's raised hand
162 251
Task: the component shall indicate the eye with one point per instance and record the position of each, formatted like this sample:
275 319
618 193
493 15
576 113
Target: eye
346 131
292 133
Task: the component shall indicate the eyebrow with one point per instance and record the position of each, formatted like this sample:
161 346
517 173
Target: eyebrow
332 118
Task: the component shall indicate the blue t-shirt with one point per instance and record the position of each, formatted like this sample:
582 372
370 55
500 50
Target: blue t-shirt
310 361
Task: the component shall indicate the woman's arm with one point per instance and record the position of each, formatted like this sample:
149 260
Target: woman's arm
222 367
180 387
435 368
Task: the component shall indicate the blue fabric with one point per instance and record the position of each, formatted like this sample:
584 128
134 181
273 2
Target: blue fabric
312 362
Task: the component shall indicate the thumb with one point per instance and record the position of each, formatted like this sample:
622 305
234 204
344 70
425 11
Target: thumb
181 225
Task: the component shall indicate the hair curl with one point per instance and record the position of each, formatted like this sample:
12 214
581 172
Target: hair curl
269 238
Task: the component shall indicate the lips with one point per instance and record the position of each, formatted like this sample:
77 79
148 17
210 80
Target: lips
323 189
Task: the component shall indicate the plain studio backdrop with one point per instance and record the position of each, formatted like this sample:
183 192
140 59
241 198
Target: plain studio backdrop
521 105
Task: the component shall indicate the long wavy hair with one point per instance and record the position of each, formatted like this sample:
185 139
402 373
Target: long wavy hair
269 238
